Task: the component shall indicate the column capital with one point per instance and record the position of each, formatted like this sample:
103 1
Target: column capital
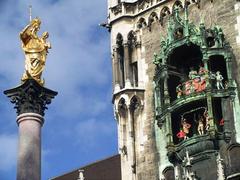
114 47
205 59
30 97
228 58
138 44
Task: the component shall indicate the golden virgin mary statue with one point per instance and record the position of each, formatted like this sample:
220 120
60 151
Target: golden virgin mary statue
35 49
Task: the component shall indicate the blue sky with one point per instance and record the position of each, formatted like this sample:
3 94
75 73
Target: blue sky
79 124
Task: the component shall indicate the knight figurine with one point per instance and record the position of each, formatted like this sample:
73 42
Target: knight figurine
219 80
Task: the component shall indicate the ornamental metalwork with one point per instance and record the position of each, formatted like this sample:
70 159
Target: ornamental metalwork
193 86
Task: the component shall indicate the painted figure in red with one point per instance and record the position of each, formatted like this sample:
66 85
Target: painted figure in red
221 122
185 126
181 134
188 85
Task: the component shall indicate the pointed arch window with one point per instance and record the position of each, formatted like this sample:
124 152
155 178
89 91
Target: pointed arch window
120 59
123 128
177 5
164 13
132 43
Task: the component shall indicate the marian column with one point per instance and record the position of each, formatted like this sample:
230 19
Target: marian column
31 99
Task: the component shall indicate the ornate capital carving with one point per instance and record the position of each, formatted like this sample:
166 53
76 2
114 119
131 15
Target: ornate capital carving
30 97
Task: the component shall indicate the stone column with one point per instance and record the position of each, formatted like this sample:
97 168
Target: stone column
127 65
29 148
209 98
115 69
30 100
227 112
140 65
132 142
168 115
229 70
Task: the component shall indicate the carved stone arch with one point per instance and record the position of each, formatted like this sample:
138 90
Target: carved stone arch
152 18
164 13
119 39
187 3
144 4
168 172
132 38
133 46
141 23
178 4
135 104
135 109
122 108
233 154
123 125
197 2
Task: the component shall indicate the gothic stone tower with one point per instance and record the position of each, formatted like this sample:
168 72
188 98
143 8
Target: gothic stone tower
176 67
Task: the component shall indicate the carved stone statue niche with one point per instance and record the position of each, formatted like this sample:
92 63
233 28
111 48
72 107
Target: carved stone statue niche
35 49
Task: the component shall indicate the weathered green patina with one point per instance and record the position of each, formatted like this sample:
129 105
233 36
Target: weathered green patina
209 48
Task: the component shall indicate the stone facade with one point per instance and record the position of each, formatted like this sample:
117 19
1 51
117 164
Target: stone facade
137 30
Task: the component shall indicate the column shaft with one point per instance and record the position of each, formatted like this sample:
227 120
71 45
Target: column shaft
127 65
116 70
29 148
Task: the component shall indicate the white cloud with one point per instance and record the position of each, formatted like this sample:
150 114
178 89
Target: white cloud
8 151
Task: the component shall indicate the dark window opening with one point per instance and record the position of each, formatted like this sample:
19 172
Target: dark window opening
217 114
173 82
134 68
122 108
132 39
121 66
187 118
185 60
178 34
191 119
177 5
210 38
120 53
217 67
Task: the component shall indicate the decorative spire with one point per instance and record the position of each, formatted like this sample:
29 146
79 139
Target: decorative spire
188 174
80 175
30 13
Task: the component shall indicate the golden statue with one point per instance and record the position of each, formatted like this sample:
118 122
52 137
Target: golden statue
35 49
